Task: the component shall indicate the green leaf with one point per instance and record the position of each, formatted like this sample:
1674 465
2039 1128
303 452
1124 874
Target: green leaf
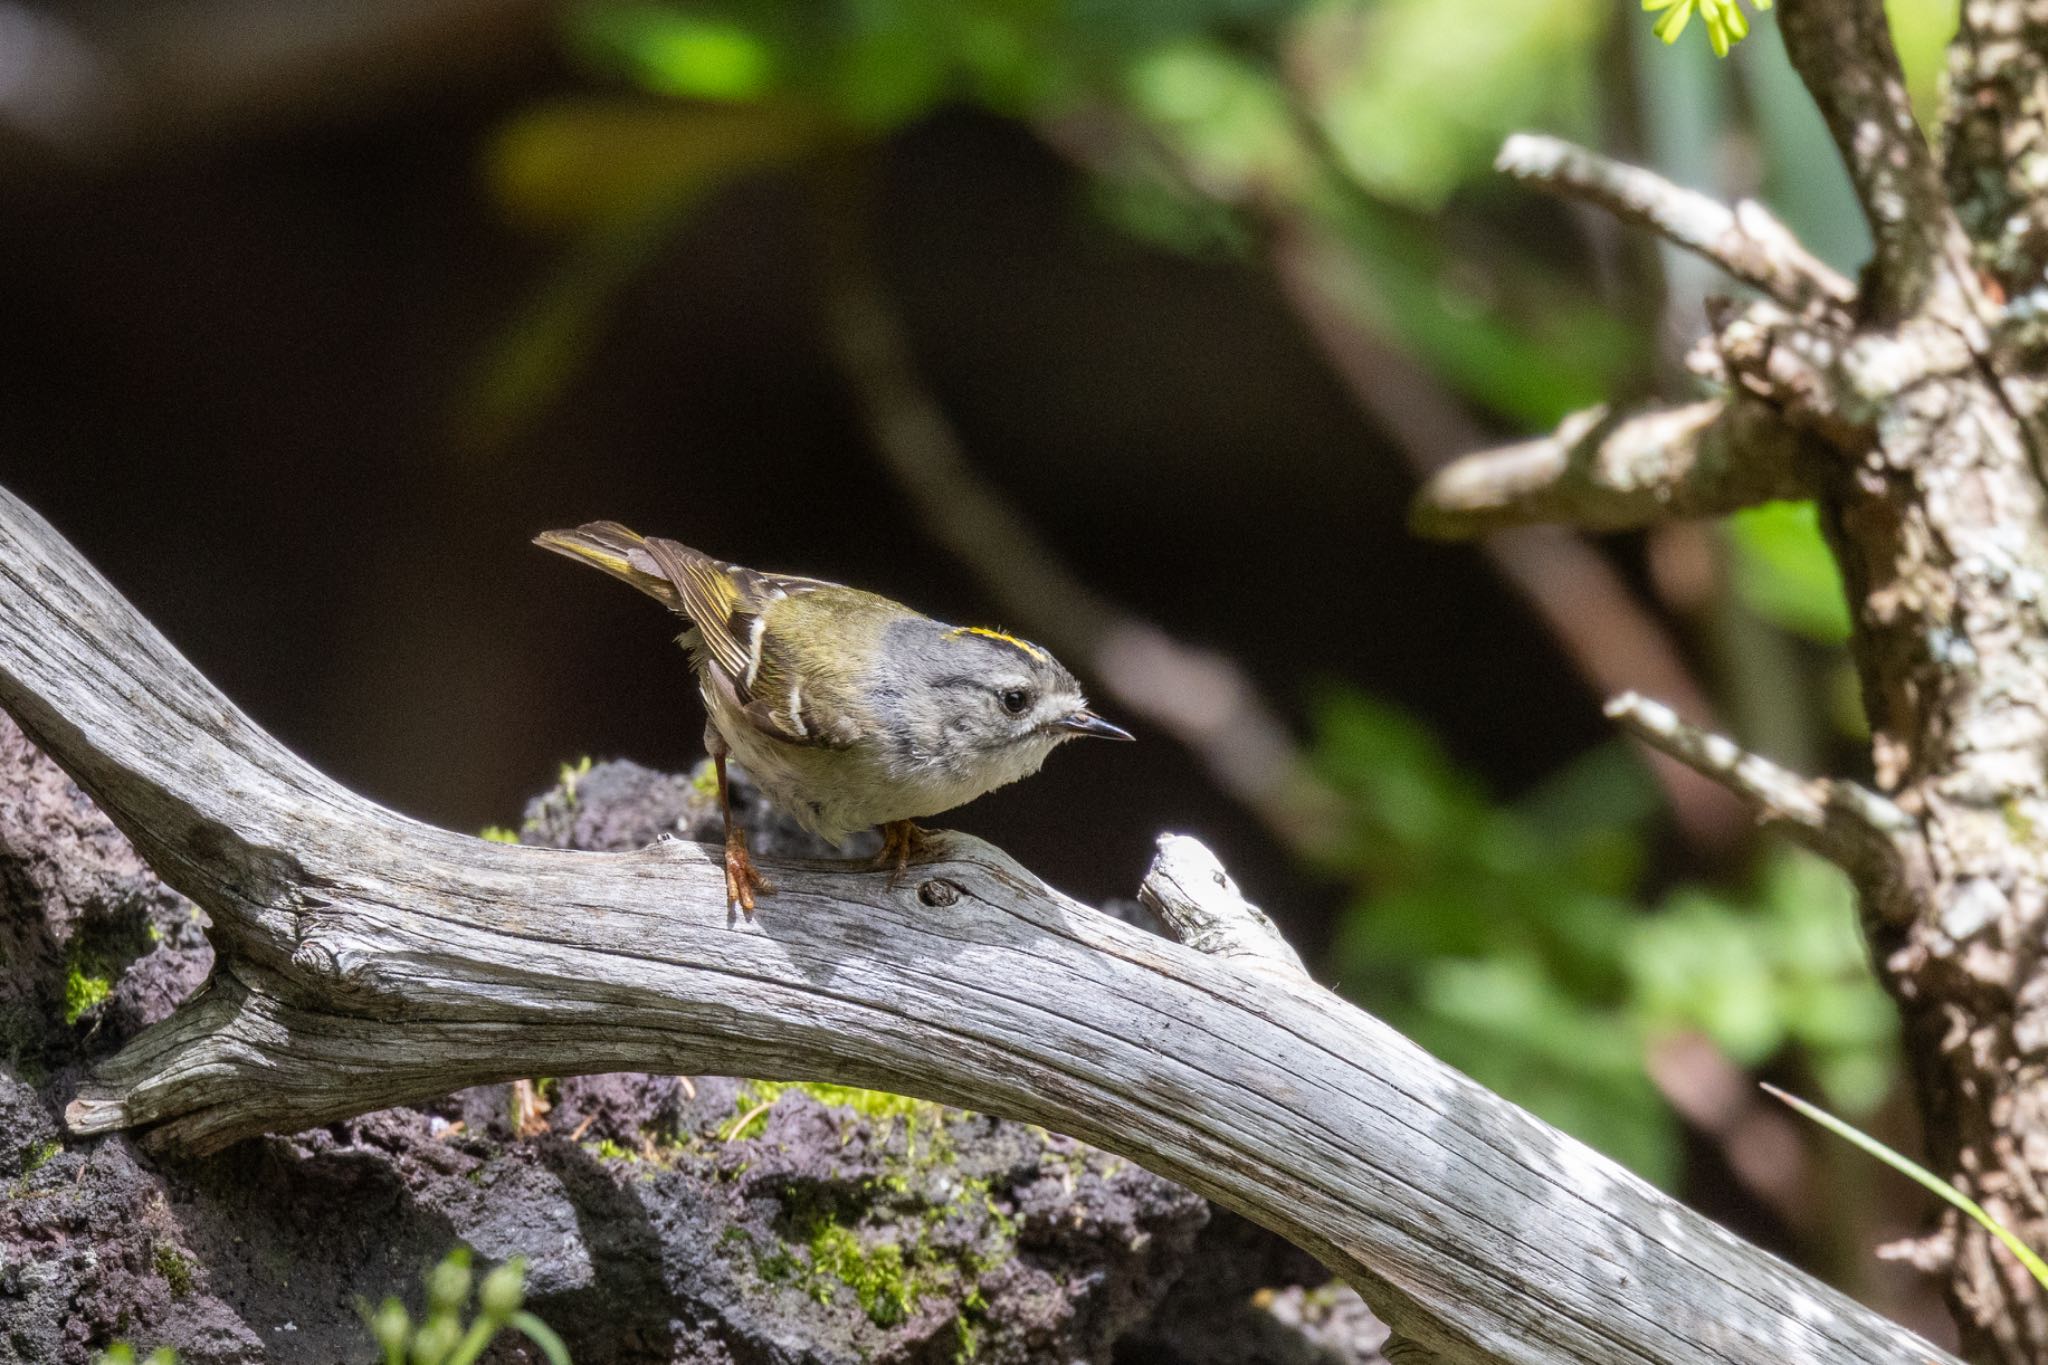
542 1336
1921 31
1778 967
1784 571
573 165
1504 938
1724 20
1225 114
675 52
1697 965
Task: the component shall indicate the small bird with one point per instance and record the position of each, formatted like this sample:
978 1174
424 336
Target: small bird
848 709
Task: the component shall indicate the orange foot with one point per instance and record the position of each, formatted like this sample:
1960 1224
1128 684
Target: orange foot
742 879
902 840
529 1109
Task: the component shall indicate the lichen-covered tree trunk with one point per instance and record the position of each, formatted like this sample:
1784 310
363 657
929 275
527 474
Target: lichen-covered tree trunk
1914 407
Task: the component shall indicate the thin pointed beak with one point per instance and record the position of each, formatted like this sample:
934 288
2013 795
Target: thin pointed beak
1085 722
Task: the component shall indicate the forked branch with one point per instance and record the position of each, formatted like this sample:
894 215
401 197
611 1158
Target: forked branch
1746 241
367 960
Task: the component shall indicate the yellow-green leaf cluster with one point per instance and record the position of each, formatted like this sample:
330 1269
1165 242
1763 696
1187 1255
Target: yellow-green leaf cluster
1726 24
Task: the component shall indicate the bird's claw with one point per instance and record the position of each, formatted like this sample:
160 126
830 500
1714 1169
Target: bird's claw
743 881
902 841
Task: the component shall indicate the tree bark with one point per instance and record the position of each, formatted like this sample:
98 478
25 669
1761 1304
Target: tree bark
1916 415
366 960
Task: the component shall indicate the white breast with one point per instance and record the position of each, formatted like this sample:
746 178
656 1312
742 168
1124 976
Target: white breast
835 792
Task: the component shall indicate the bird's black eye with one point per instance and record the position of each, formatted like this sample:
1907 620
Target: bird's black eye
1015 700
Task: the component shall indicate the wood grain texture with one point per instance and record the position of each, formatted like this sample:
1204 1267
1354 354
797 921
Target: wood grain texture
368 960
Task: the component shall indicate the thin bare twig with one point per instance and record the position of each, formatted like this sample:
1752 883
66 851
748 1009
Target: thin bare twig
1745 241
1602 472
1843 821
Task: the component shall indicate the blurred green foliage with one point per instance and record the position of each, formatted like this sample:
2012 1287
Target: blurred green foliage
1921 30
1207 115
1516 941
1204 120
442 1337
1452 78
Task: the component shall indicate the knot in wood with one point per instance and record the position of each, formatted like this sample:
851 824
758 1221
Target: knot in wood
352 975
939 893
311 957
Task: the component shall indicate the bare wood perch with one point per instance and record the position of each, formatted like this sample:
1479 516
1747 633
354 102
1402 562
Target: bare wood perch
367 960
1202 907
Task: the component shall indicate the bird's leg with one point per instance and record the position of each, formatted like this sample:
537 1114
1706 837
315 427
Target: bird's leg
742 879
902 840
529 1108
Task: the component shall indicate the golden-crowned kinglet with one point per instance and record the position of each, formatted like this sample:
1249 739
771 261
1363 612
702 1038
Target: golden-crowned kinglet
848 709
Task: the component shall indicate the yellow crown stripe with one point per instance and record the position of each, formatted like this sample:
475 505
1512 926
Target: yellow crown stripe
1033 650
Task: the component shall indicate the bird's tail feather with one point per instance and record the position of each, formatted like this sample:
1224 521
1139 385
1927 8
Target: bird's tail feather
617 551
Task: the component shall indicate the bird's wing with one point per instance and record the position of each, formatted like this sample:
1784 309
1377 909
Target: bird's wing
815 706
749 666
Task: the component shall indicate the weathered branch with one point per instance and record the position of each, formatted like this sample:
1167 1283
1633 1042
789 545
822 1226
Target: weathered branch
367 960
1605 473
1746 241
1843 51
1838 819
1201 906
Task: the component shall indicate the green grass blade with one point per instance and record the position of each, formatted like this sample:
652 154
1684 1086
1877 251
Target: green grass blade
543 1336
1914 1171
